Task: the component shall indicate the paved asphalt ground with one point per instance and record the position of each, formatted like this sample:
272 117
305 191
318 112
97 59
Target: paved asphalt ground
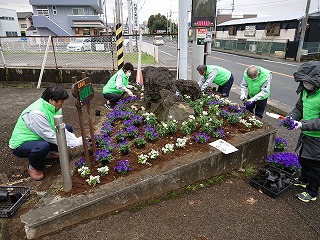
228 209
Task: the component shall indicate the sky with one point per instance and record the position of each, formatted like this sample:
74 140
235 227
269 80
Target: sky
147 8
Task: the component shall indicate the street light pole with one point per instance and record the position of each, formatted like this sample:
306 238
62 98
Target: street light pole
303 30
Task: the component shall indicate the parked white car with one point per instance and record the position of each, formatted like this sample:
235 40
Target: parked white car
79 45
158 41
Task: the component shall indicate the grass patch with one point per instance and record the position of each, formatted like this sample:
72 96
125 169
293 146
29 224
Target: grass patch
133 58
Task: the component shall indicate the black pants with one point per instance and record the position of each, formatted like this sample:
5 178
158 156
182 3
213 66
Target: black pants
310 173
36 151
113 98
225 89
258 107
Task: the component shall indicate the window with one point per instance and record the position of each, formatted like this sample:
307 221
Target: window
273 29
77 31
54 10
11 34
6 18
23 25
43 11
232 30
78 11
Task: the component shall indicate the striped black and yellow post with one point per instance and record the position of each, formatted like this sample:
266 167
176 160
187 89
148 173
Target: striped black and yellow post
119 44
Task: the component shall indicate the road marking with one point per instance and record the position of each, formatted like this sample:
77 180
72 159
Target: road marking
282 74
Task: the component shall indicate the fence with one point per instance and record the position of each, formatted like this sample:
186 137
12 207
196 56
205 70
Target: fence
96 52
260 47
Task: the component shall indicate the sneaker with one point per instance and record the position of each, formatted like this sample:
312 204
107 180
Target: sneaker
298 183
108 106
305 197
35 174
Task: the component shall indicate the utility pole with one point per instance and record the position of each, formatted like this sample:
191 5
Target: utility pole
303 30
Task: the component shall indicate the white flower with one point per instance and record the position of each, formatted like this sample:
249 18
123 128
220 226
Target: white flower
181 142
153 154
143 108
134 108
143 158
205 113
84 171
103 170
168 148
191 117
93 180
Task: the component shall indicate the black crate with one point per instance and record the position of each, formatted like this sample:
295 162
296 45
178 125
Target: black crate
257 184
8 208
288 172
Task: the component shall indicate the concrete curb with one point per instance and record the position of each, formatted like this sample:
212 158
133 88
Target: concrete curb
55 212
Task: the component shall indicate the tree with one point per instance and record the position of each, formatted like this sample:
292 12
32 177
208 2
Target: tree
157 22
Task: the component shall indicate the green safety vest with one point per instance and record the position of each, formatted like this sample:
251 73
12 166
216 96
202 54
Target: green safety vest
254 86
311 110
222 76
21 133
111 87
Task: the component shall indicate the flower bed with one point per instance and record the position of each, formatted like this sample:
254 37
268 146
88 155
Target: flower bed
214 118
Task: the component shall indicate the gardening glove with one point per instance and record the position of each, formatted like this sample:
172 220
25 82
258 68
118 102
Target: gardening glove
129 86
243 97
297 125
129 92
75 142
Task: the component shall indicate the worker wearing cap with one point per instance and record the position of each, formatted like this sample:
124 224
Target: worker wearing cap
218 75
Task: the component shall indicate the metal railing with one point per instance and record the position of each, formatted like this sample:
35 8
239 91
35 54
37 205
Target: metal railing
259 47
96 52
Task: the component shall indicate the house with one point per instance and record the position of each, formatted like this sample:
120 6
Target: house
9 25
25 22
276 28
67 18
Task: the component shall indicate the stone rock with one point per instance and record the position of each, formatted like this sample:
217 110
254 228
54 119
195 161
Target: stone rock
180 111
189 87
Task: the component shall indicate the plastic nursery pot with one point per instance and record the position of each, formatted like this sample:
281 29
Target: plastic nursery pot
124 152
278 149
139 146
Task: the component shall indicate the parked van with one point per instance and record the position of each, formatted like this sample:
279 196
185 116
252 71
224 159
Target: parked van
158 41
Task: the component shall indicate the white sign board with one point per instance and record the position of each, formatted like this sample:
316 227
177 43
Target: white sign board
135 17
223 146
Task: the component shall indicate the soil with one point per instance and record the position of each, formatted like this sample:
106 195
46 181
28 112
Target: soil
13 170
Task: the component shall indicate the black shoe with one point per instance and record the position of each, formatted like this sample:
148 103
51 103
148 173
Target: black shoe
298 183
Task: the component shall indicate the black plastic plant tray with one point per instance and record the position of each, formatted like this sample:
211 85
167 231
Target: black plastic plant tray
8 208
289 173
254 182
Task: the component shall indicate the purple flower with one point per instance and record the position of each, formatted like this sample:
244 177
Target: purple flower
201 137
284 160
288 122
219 133
280 143
248 103
150 133
103 155
81 162
122 166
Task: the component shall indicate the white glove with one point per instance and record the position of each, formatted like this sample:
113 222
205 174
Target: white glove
243 97
251 100
76 142
297 125
129 92
129 86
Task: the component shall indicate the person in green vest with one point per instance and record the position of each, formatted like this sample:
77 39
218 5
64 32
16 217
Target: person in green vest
255 89
117 85
34 135
218 75
306 116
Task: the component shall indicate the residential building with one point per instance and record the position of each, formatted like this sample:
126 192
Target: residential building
67 18
9 25
25 22
276 28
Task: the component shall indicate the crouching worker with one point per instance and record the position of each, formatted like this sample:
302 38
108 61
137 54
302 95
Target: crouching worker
34 136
